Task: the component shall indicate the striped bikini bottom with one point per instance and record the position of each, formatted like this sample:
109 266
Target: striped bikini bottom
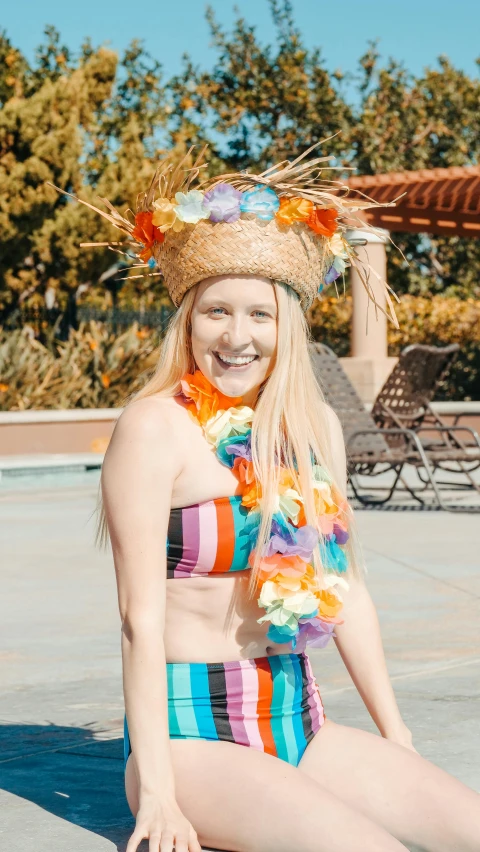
269 703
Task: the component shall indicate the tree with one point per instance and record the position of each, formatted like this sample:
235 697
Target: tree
405 123
260 104
89 126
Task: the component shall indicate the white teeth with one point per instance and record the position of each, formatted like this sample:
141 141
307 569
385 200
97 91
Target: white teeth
236 359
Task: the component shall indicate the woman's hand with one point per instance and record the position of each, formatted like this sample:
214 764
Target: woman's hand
165 827
401 736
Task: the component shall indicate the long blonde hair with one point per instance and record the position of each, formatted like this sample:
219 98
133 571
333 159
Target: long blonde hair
290 422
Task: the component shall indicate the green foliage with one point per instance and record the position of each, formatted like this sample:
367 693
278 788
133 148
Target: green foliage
265 103
95 123
405 123
96 368
93 369
89 127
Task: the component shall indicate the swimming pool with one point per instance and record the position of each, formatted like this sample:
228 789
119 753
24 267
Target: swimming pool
48 478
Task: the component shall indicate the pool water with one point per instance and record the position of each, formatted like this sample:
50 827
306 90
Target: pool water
32 479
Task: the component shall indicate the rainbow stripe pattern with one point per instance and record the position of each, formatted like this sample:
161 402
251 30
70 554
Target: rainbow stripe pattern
208 538
271 704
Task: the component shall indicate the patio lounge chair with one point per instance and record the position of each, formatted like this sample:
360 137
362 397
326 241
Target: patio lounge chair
374 449
404 400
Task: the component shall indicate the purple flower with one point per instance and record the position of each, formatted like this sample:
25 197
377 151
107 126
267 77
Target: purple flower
332 275
313 632
341 535
300 544
241 446
235 445
223 203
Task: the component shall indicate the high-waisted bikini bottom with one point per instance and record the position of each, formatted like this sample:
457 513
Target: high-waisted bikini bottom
269 703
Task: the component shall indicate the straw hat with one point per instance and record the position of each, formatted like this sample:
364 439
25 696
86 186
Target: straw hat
287 224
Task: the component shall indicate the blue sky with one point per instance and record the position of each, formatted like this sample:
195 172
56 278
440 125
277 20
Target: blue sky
414 31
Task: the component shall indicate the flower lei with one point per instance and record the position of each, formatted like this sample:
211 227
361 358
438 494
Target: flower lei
224 203
301 607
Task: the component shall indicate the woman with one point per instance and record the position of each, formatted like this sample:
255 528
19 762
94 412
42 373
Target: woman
228 470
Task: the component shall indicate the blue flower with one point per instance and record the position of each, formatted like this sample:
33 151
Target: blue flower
234 445
262 201
280 635
333 557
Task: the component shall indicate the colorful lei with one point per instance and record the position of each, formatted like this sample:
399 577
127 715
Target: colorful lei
224 203
301 607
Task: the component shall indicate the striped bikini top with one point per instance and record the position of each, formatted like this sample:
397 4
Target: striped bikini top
208 538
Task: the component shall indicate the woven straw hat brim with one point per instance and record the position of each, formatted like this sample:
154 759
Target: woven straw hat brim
294 255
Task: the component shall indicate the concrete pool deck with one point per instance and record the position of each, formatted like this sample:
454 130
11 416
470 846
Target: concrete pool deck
61 762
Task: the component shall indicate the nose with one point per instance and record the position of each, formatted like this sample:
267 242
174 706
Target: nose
236 334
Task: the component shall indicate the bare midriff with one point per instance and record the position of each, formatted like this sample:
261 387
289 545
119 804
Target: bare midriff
213 620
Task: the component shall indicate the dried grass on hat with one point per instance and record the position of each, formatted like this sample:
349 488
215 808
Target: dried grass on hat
288 223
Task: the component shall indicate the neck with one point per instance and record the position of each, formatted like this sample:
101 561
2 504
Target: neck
250 398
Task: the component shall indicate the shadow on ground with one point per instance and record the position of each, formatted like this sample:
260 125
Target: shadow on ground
70 773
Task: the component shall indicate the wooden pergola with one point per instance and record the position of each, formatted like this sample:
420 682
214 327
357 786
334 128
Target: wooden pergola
437 201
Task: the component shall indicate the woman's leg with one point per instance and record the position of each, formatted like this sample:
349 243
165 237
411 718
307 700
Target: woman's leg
244 800
410 797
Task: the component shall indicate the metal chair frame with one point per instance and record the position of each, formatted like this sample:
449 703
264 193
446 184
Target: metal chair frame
373 449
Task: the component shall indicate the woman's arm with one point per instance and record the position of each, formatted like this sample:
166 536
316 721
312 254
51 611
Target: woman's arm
359 639
359 642
140 468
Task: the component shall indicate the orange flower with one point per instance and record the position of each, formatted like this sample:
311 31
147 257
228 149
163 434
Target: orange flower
279 563
328 605
285 480
323 222
93 345
146 233
105 380
294 210
3 387
249 488
204 400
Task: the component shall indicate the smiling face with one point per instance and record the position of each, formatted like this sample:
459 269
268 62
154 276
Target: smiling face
234 333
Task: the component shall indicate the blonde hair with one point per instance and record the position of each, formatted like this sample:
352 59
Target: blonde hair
291 420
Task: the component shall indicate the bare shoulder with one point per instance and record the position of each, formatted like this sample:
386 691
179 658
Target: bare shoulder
146 441
150 418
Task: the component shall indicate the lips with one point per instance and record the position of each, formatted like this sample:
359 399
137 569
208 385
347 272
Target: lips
235 362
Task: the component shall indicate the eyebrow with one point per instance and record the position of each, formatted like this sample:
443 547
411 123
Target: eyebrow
271 306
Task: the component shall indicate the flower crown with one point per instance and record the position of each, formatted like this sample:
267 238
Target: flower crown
293 219
225 203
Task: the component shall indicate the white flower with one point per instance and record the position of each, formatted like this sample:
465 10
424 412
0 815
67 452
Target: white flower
329 581
336 245
289 503
190 207
235 421
282 600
